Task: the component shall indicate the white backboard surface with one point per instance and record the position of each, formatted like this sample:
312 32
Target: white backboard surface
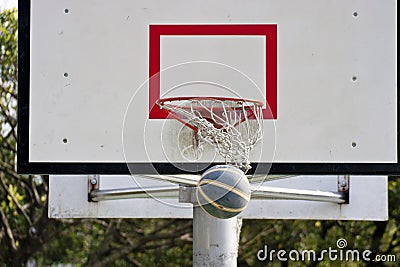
326 71
68 198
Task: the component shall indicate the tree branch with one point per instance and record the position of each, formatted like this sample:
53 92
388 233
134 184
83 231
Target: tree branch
8 229
27 218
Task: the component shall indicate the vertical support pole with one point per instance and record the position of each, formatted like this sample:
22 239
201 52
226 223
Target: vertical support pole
215 241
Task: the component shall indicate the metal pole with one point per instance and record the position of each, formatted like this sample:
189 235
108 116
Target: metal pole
215 241
188 180
125 193
265 192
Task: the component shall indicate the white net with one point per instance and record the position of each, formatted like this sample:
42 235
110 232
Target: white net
233 126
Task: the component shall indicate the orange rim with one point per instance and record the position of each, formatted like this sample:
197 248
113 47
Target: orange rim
161 101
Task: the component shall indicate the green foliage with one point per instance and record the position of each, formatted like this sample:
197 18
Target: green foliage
8 49
8 83
12 215
138 242
380 237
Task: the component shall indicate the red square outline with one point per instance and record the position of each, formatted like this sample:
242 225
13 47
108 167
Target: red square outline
268 30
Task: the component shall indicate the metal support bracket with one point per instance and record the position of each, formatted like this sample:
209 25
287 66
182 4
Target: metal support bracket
93 184
344 186
187 193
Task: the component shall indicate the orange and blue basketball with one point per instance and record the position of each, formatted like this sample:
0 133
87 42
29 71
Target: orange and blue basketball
223 191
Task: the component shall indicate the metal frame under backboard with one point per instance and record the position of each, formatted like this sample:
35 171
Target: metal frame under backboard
368 198
121 168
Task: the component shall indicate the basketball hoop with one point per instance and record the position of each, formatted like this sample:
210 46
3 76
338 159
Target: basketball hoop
232 125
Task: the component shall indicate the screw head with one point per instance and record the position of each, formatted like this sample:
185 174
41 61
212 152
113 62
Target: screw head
93 181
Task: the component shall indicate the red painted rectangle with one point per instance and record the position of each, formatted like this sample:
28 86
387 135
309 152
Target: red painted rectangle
267 30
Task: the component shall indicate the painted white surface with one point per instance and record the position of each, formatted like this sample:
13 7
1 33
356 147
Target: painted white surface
68 198
104 49
244 54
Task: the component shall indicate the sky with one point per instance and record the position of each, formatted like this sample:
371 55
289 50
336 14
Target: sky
6 4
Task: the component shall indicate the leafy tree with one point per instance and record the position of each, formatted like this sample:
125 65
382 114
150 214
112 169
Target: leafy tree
26 234
380 237
22 198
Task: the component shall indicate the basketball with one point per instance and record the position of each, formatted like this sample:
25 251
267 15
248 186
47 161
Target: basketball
223 191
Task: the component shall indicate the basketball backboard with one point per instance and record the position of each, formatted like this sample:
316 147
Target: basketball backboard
90 75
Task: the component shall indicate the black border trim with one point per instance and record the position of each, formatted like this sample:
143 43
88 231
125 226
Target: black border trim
179 168
26 167
24 18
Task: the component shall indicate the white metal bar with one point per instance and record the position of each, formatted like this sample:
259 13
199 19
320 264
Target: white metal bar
257 178
125 193
188 180
268 192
